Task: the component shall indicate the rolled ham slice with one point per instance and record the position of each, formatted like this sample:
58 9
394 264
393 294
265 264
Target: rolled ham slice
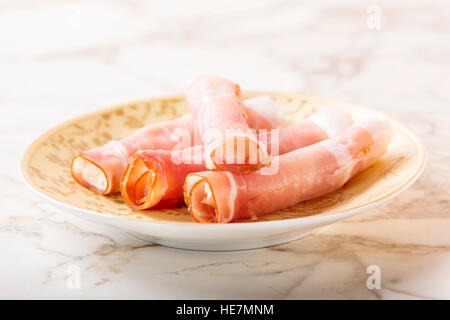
229 143
221 197
156 177
101 169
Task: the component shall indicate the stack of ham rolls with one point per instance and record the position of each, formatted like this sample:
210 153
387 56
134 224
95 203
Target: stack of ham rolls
232 159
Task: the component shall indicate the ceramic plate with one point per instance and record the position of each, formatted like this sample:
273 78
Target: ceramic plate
45 167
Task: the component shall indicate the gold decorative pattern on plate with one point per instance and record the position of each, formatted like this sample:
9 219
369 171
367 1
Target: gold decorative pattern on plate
46 163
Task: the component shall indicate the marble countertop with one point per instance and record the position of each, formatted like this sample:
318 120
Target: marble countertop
59 59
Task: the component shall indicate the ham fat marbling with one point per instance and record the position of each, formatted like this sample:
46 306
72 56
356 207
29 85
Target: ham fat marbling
221 197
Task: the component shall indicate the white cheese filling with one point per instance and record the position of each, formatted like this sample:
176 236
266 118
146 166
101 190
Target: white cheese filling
90 173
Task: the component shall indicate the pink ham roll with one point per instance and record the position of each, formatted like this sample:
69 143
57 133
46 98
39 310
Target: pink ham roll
152 177
156 177
229 143
101 169
221 197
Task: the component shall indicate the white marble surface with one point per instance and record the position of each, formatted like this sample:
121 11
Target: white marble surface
59 59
